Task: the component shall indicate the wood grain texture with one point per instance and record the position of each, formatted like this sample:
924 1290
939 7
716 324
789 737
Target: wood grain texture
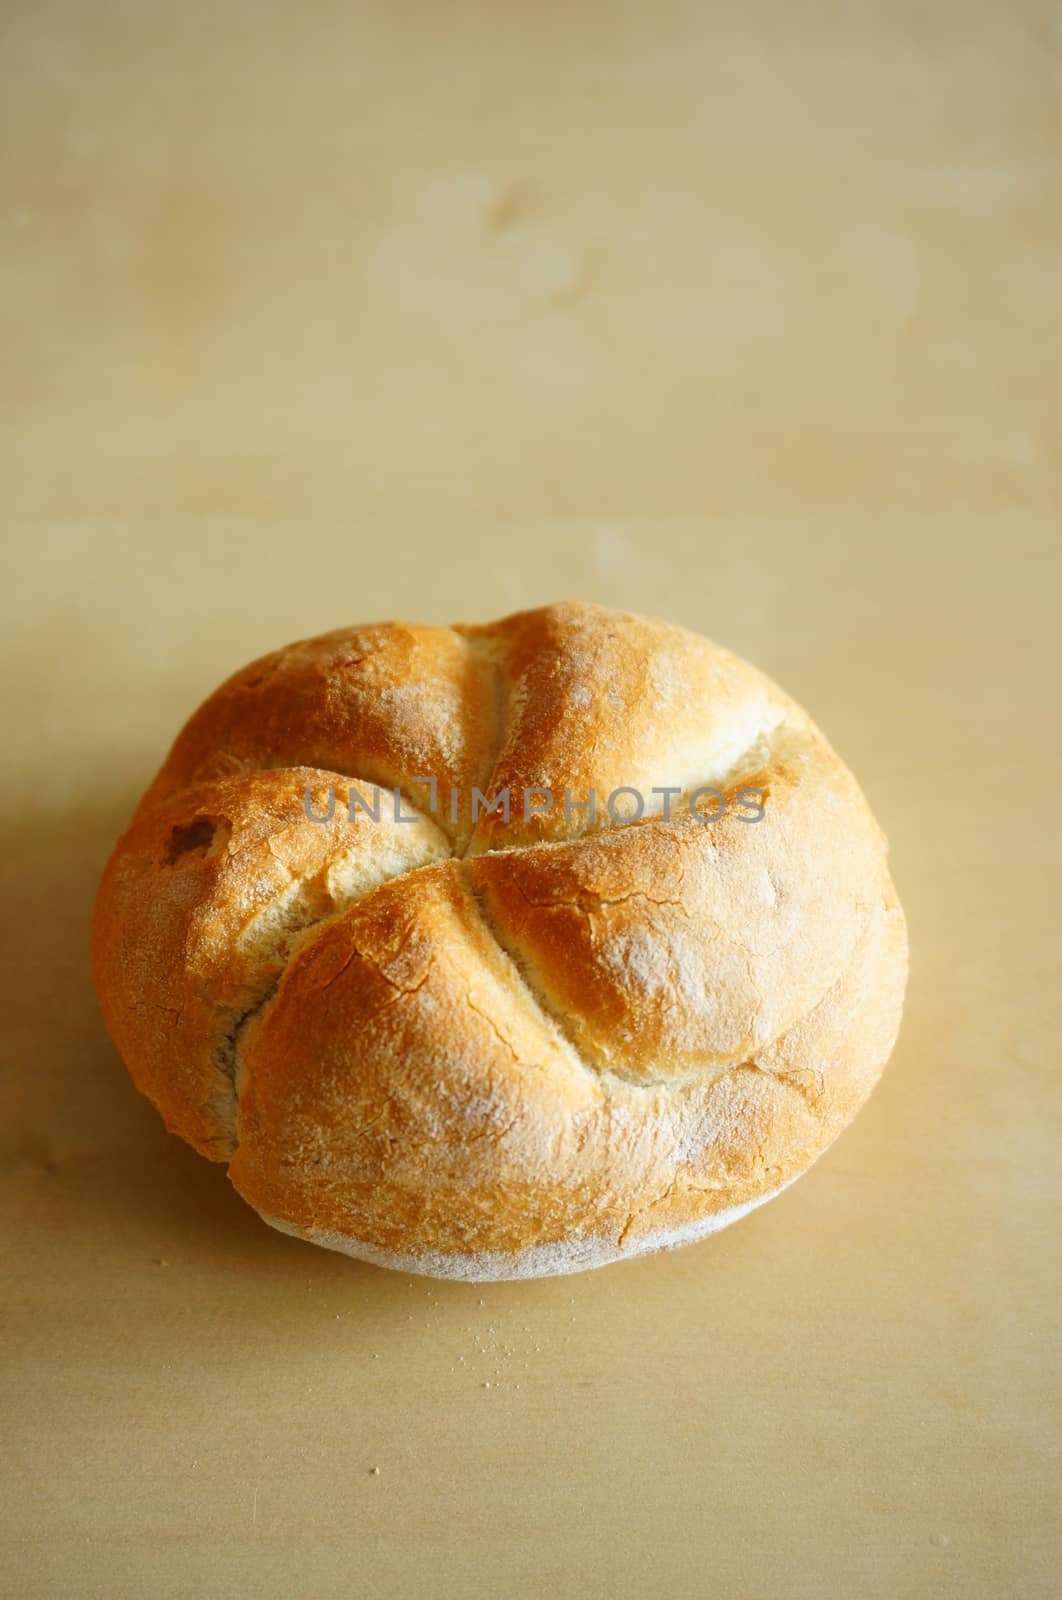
746 317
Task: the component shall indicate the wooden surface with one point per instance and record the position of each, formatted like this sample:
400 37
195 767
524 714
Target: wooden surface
744 316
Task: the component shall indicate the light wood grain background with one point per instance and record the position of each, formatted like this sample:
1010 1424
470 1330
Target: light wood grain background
744 316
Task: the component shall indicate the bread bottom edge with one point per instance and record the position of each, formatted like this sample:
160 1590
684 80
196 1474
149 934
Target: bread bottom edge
552 1260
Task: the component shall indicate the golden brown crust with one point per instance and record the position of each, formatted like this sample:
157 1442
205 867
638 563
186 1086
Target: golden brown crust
597 699
481 1048
676 946
386 703
199 908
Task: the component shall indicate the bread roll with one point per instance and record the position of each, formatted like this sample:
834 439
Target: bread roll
486 1048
